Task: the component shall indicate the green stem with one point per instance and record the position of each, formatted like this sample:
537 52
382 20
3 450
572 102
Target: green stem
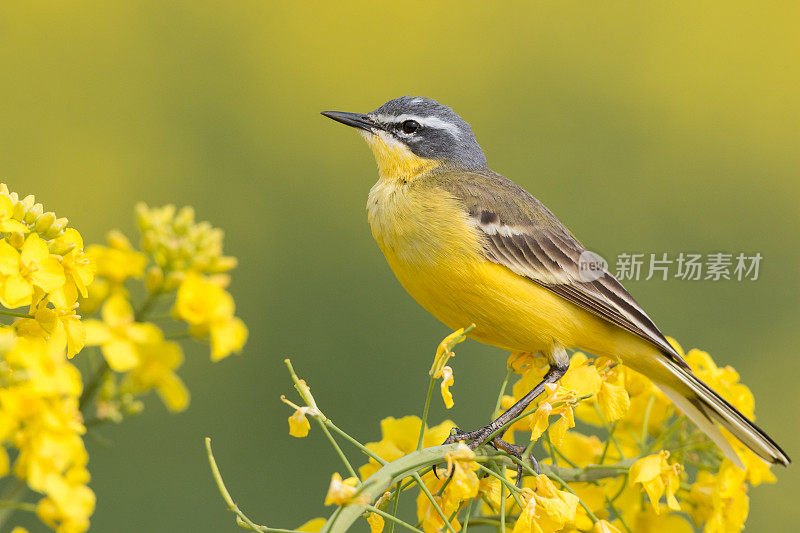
503 503
466 519
618 515
413 463
502 480
97 378
354 442
550 445
433 501
611 437
666 435
514 489
608 442
93 384
148 304
395 503
526 414
12 494
15 314
566 487
393 519
502 393
621 488
18 506
646 421
487 521
229 500
425 413
177 335
336 447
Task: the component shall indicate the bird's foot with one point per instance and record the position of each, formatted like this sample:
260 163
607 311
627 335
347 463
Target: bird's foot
473 439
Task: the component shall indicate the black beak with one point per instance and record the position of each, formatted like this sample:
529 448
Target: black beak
356 120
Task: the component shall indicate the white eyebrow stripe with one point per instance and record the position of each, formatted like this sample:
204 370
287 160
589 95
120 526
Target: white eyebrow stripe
429 122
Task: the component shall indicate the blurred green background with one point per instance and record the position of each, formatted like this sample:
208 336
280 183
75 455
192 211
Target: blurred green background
646 127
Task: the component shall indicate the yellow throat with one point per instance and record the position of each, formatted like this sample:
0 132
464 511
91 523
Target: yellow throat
414 221
395 160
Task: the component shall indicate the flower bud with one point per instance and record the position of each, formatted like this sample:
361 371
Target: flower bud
223 264
184 219
7 340
56 229
132 407
20 208
16 239
173 280
154 279
33 213
44 222
117 240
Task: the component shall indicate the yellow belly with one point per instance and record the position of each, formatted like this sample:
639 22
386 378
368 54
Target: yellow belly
509 311
437 256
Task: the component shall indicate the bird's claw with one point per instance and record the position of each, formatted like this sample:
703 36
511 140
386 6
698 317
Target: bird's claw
473 439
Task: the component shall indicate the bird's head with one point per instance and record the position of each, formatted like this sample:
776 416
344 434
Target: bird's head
412 134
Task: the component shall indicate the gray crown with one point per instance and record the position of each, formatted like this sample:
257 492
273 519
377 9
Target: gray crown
443 134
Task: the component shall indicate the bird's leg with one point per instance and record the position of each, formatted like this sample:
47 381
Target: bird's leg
559 363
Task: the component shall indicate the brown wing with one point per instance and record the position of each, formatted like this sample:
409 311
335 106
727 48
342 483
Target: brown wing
527 238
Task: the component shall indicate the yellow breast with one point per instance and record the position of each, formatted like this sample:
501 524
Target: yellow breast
437 255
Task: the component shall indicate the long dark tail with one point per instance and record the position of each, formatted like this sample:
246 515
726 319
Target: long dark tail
706 408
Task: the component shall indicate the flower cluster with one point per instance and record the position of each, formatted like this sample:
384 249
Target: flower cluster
615 455
49 285
180 261
43 269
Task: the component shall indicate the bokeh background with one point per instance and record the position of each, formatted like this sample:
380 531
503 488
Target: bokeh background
647 127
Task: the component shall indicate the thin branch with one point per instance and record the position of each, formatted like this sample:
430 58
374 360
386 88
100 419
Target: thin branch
392 519
229 500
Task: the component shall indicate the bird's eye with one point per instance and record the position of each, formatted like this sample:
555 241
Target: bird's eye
410 126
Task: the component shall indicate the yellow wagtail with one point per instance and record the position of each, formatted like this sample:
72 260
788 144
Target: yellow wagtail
473 247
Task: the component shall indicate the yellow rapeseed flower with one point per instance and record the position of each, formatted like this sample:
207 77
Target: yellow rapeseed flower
341 491
62 315
427 514
447 380
157 361
23 270
720 500
582 450
7 223
656 476
39 408
602 526
299 426
312 526
547 509
555 401
649 521
445 351
612 398
376 522
118 261
67 506
119 335
77 265
399 437
208 309
461 468
439 369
